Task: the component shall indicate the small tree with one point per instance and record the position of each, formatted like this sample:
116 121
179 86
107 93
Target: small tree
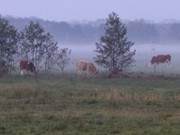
62 58
8 44
113 50
50 49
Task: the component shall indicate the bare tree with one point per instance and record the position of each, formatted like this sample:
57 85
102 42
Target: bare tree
50 53
62 58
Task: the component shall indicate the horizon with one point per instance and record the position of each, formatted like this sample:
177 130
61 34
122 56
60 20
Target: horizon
87 21
70 10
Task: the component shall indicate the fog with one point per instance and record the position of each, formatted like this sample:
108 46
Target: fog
161 11
144 53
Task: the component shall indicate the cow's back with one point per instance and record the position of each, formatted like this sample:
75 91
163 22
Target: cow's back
23 65
161 59
81 66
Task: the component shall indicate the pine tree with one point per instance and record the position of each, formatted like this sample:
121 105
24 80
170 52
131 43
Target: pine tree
114 49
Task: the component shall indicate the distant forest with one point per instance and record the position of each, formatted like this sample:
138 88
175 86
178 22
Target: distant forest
139 31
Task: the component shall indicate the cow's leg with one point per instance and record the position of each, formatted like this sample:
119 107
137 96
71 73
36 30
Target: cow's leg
87 72
21 72
155 68
26 72
169 62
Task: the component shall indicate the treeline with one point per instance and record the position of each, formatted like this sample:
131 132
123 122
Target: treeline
146 32
32 43
139 31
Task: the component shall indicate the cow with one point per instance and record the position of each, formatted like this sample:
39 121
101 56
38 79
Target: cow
159 59
86 68
27 67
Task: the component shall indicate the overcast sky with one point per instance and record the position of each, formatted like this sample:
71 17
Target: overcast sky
71 10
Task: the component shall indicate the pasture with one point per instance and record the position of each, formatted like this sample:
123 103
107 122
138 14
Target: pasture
56 105
144 54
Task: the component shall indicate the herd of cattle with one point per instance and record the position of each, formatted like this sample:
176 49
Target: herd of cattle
85 67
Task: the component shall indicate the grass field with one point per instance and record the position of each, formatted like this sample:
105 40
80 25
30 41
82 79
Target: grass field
55 105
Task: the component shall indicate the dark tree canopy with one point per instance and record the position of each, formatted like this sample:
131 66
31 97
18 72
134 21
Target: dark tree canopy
8 43
34 44
114 49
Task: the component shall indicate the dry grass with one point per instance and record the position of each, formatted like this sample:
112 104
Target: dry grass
69 106
116 95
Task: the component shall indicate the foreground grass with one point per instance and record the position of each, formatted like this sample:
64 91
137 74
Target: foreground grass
53 105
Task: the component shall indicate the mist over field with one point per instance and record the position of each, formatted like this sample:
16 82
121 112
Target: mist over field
89 67
150 39
144 53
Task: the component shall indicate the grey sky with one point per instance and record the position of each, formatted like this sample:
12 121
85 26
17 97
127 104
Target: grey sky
68 10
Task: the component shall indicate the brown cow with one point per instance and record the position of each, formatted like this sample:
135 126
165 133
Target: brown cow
86 68
27 67
161 59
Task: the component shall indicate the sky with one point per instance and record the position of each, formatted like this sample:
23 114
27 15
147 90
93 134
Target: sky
75 10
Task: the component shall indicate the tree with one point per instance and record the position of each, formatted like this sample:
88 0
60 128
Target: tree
8 44
37 43
114 49
50 49
62 58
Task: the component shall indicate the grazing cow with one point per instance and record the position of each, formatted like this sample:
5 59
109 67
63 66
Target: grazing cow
161 59
87 68
27 67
